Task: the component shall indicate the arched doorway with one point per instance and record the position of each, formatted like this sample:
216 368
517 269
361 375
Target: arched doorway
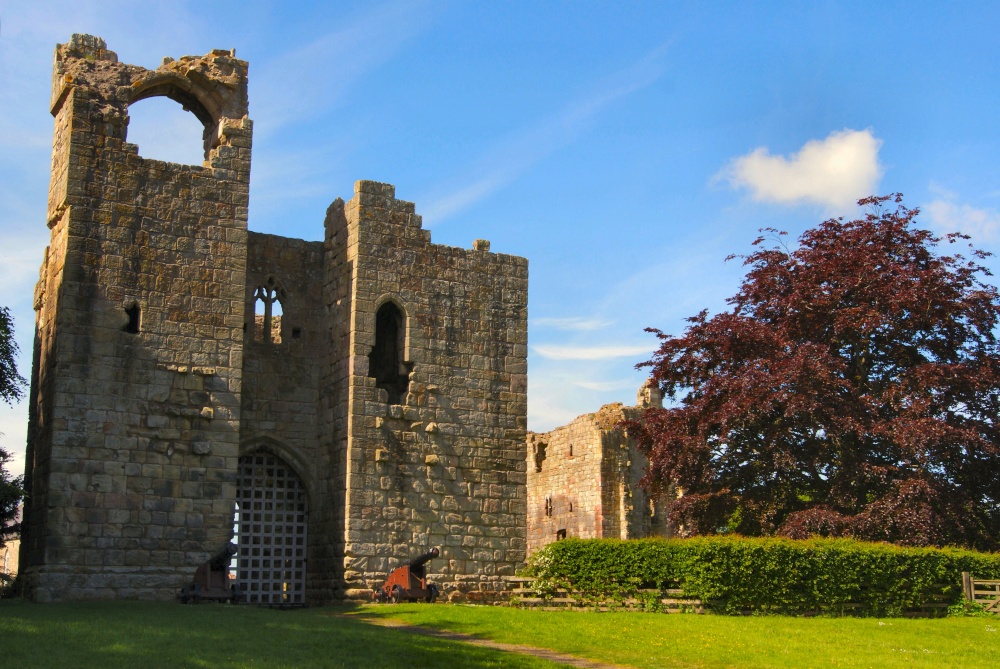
271 536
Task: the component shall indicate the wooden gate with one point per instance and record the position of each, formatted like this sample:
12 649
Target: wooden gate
986 593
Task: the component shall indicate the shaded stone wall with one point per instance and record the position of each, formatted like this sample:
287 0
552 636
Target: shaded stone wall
281 375
134 426
446 467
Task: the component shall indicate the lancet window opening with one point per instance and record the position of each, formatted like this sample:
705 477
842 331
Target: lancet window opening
268 299
385 362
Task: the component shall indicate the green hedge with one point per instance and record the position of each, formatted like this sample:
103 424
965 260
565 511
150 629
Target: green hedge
768 575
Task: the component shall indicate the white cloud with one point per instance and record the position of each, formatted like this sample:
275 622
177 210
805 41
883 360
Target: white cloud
834 172
947 216
605 386
572 323
519 151
556 352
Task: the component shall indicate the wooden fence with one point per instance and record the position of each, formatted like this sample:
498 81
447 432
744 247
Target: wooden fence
670 600
982 592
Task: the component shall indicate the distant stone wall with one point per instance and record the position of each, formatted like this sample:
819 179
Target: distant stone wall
564 483
584 480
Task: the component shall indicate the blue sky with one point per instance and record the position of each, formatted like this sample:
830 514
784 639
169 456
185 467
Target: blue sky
624 148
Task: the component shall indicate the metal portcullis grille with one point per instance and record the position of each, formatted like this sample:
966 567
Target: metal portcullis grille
271 560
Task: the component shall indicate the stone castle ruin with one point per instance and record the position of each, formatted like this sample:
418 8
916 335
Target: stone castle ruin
350 403
345 404
583 480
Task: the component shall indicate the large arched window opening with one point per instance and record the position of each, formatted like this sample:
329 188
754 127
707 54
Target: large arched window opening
271 532
385 362
165 130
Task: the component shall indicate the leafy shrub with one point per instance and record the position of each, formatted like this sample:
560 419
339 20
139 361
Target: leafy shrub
764 575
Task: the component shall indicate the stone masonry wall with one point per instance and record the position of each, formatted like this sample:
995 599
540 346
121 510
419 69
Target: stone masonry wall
446 467
584 481
564 483
134 430
281 383
152 375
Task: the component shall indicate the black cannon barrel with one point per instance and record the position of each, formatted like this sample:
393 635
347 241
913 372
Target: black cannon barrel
425 558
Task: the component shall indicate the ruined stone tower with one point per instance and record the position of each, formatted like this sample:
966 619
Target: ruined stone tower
584 480
352 402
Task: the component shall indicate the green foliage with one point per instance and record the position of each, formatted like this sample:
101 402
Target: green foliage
11 492
11 383
11 390
765 575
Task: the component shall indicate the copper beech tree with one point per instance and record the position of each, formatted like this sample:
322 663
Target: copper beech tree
852 389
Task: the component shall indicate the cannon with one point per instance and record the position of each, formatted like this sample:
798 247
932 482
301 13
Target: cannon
211 580
409 582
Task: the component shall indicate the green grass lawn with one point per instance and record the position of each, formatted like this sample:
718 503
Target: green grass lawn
155 634
659 640
148 635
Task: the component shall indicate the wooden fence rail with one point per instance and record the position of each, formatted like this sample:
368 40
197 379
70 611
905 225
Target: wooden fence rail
670 600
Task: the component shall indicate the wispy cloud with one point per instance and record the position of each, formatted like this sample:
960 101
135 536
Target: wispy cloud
519 151
946 215
605 386
833 172
557 352
313 77
576 324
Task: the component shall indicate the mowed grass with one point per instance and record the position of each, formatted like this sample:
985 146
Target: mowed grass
162 634
660 640
159 634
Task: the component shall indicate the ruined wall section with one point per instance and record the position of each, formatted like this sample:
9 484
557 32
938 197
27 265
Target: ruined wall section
564 483
592 465
280 375
446 466
327 562
134 440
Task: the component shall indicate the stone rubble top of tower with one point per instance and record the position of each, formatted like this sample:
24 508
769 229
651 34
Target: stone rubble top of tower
215 82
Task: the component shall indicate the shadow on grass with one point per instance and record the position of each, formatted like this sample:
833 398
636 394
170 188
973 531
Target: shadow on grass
157 634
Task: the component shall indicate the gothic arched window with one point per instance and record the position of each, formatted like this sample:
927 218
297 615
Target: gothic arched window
267 301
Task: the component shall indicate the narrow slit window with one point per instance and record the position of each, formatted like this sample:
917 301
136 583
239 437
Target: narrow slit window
134 314
539 456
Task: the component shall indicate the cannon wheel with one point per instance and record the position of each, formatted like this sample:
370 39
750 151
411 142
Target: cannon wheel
432 593
397 594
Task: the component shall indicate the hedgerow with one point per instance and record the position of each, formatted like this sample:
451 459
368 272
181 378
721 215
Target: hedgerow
764 575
